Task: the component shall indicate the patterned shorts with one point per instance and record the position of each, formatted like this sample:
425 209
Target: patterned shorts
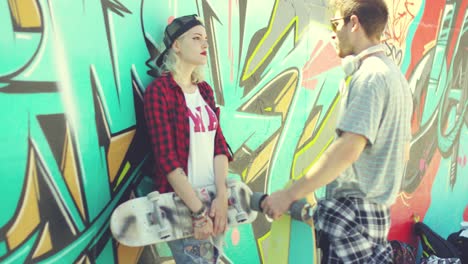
190 250
355 231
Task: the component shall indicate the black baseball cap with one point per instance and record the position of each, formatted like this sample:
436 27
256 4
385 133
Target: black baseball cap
175 29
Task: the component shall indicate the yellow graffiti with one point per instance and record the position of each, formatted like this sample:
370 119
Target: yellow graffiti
319 135
282 103
261 161
122 175
70 172
45 242
294 22
25 13
118 148
129 254
27 218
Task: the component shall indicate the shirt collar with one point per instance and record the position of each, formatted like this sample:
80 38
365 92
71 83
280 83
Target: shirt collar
170 79
173 83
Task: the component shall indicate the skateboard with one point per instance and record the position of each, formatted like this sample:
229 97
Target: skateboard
299 210
157 218
293 231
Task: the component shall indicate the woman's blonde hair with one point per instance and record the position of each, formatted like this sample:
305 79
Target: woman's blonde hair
172 61
171 64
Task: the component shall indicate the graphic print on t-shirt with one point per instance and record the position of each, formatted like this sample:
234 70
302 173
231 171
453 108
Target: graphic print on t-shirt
203 124
197 119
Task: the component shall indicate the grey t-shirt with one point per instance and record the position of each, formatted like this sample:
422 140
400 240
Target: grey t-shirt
378 105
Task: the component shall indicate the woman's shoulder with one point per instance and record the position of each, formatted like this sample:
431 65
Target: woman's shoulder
161 83
162 80
205 87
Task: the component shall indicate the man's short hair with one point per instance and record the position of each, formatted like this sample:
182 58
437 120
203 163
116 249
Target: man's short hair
372 14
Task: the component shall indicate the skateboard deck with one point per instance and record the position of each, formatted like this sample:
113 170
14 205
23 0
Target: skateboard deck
291 238
157 218
301 233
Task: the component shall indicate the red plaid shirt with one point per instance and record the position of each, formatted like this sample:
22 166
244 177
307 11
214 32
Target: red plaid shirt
168 127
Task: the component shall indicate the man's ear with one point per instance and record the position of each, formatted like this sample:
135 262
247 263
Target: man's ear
354 20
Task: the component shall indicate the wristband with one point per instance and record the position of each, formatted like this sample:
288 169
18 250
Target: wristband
199 223
200 213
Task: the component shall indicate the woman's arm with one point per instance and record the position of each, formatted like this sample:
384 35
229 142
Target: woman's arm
202 224
163 143
183 188
221 146
221 171
162 138
222 156
219 207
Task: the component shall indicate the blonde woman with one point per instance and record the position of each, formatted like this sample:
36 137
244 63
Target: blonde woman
189 147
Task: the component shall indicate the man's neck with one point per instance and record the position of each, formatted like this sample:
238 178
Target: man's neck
364 44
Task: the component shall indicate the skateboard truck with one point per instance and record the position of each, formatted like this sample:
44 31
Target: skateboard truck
156 218
299 210
241 216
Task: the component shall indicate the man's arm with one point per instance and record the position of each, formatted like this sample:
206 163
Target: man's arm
338 157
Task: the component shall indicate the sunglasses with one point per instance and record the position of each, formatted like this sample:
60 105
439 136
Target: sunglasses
334 22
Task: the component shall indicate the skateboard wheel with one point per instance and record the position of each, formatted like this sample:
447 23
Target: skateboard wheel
164 233
231 201
256 201
153 196
231 183
241 217
297 210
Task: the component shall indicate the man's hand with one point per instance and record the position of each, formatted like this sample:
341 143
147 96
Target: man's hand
277 204
218 212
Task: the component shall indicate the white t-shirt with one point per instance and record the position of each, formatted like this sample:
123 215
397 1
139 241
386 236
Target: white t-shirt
203 125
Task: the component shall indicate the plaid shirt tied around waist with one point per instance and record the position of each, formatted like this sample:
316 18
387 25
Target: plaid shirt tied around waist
356 229
168 125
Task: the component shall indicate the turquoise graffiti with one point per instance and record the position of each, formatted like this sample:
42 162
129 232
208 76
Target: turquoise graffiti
73 143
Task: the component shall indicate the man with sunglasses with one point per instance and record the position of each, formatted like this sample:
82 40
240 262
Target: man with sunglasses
363 168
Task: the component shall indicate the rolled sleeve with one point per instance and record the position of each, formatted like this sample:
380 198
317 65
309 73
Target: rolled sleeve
364 110
160 130
221 147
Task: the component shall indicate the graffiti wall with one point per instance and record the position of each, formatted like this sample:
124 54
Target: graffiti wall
72 140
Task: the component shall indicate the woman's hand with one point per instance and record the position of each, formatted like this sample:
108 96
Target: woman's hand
202 228
218 212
